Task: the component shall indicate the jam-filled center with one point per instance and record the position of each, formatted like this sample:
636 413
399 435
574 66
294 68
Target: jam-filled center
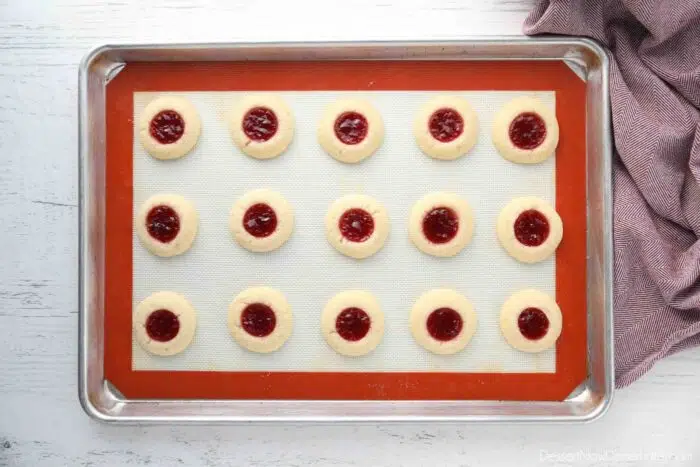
352 324
258 320
533 323
531 228
440 224
351 127
260 124
260 220
356 225
163 223
167 126
446 125
444 324
527 130
162 325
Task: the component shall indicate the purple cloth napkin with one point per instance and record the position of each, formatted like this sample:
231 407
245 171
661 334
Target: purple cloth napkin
655 93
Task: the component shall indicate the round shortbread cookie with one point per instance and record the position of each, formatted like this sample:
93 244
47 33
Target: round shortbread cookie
351 130
525 131
352 323
441 224
169 127
261 220
446 127
443 321
164 323
357 226
262 125
529 229
260 319
531 321
167 224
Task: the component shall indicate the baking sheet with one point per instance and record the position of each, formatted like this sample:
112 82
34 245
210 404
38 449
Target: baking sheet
307 269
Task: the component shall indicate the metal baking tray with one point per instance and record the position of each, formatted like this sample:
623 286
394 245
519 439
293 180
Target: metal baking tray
589 401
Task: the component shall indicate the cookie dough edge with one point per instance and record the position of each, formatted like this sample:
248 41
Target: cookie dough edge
175 303
285 221
464 235
452 150
190 137
508 320
357 250
367 302
501 125
346 153
276 145
189 225
283 313
429 302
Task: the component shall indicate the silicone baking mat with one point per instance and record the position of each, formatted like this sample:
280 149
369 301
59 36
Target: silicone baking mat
308 271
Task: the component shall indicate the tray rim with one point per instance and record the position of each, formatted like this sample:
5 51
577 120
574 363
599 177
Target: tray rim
404 410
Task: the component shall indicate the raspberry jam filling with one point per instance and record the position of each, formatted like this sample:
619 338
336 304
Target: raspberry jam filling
356 225
444 324
352 324
260 220
440 224
351 127
162 325
531 228
163 223
167 126
258 320
446 125
260 124
527 131
533 323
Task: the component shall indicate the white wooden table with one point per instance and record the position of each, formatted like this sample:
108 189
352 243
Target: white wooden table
655 422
